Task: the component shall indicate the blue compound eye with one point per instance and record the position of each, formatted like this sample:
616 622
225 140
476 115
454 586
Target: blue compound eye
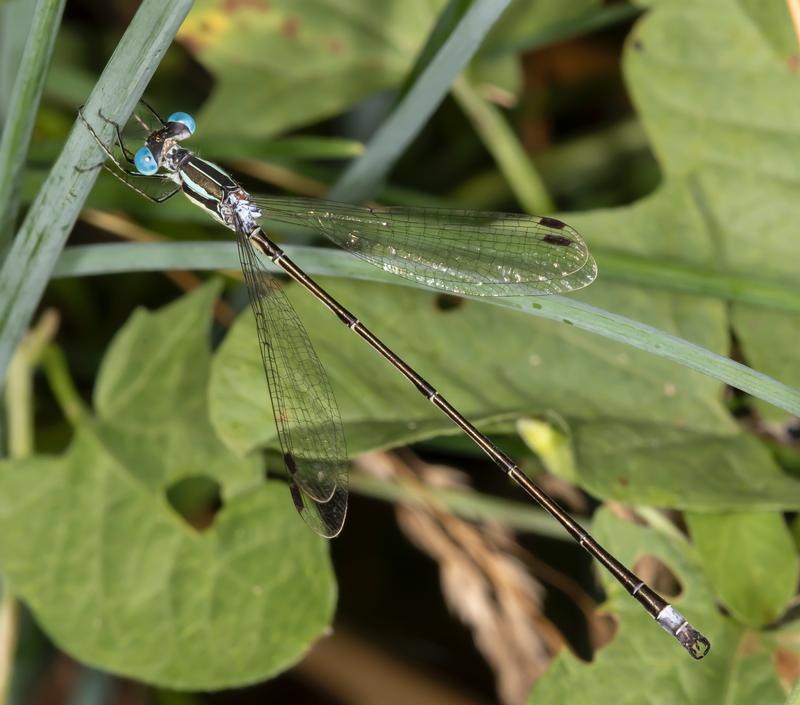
145 162
184 119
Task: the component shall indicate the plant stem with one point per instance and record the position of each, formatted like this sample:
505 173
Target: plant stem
9 632
19 407
468 505
19 386
500 140
55 368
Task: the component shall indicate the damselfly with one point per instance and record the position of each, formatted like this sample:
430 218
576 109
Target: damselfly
458 251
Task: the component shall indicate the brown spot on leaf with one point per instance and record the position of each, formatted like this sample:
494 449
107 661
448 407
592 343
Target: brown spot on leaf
787 664
603 628
335 46
290 28
750 644
658 574
448 302
237 5
194 45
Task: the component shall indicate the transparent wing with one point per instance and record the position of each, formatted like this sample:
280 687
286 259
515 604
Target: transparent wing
306 414
326 518
463 252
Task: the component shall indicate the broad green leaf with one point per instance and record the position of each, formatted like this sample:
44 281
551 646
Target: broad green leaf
279 64
677 223
680 467
714 82
642 663
120 580
751 560
757 214
667 225
152 363
770 19
517 366
794 696
714 89
524 20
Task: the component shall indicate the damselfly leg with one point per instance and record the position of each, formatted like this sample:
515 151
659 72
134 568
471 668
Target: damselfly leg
128 157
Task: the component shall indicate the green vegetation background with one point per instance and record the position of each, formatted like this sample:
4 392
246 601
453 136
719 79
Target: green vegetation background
687 195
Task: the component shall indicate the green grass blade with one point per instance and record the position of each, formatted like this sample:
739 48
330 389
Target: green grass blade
470 505
120 258
88 260
364 175
445 25
104 259
22 107
15 21
500 140
676 276
658 342
55 209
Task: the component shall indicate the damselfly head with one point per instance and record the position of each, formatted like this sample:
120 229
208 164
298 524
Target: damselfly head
182 125
179 126
145 162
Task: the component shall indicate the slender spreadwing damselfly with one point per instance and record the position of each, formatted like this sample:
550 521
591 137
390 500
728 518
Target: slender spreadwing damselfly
462 252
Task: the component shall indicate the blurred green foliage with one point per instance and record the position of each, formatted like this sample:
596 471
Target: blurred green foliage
698 175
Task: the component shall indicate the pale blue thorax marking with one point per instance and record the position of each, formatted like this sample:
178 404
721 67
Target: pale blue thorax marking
196 187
